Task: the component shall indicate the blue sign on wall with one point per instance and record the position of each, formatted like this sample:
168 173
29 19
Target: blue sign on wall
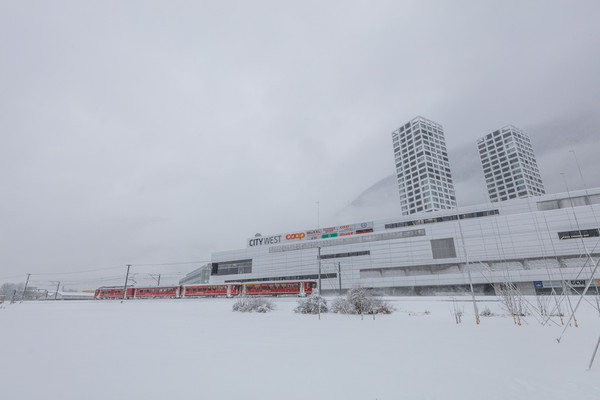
538 284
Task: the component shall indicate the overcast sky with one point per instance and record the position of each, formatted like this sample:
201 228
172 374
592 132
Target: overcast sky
159 132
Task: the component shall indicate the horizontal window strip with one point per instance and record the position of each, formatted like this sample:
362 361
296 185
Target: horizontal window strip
441 219
313 244
286 278
342 255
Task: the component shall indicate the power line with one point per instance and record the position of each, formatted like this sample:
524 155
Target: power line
76 272
177 263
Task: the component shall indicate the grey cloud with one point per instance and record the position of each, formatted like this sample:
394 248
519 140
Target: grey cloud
168 132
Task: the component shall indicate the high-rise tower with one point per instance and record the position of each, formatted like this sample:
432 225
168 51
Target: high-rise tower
509 164
422 167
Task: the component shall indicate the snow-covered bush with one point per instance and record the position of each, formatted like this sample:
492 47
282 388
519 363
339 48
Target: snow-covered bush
250 304
486 312
360 301
310 305
342 306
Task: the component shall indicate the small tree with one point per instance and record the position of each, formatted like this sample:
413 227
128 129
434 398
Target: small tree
512 300
457 311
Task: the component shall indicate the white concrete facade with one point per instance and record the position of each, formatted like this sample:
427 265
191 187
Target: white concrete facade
422 167
523 240
509 165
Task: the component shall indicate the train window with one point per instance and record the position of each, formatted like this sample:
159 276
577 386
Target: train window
277 286
270 286
295 286
264 286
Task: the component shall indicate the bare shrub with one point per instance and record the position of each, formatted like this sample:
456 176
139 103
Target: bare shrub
543 304
253 304
312 304
511 299
458 311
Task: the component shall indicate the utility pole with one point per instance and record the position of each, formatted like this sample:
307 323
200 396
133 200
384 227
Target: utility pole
466 255
57 287
25 288
340 277
155 278
319 259
125 288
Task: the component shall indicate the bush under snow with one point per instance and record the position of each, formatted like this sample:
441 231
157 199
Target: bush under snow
250 304
360 301
310 305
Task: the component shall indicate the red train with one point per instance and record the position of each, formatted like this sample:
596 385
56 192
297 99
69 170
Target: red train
295 288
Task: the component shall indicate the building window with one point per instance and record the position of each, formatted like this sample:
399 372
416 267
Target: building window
341 255
443 248
578 234
232 267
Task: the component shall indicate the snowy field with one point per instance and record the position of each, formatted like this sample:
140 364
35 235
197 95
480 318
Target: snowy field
200 349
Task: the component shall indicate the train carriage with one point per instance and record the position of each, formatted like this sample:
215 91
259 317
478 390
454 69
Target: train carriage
113 293
225 290
163 292
299 288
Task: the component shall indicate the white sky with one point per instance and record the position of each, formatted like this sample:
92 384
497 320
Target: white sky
151 132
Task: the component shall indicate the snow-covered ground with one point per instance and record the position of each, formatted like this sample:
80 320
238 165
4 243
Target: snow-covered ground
200 349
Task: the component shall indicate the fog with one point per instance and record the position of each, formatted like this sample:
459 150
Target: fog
147 133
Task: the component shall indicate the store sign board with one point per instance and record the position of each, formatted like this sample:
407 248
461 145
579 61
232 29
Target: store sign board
321 233
261 241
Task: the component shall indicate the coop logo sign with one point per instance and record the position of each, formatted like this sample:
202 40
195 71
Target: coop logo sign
261 241
292 236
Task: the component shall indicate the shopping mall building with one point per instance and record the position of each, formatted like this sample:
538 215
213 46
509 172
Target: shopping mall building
538 243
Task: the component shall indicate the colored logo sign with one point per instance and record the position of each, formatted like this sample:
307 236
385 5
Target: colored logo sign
293 236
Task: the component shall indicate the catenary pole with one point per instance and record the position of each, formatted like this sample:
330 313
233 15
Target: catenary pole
25 288
57 287
158 280
319 299
319 260
340 277
466 255
125 288
594 354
